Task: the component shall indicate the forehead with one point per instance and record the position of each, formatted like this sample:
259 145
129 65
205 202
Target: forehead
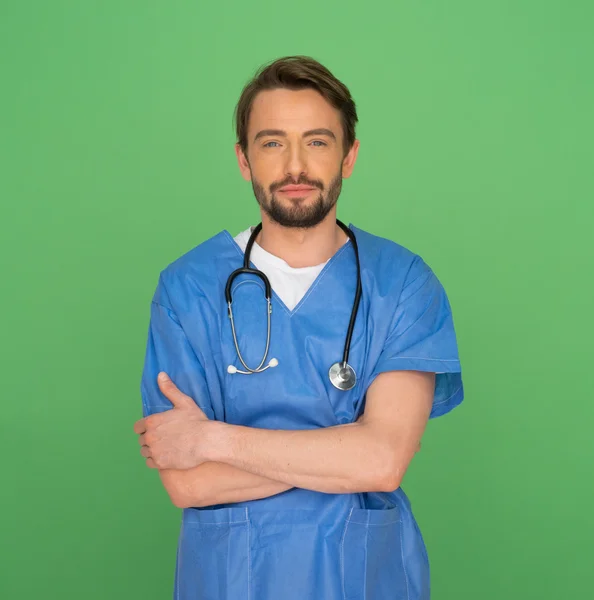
297 110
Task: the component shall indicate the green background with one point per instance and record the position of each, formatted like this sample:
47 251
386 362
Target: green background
117 157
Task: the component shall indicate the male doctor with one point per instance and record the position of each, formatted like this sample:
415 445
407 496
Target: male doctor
289 481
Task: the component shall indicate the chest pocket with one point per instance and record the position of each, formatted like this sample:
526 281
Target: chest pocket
346 404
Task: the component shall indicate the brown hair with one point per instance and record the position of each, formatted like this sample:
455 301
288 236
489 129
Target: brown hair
297 73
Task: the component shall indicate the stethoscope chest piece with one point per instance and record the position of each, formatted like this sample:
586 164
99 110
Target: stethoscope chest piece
342 376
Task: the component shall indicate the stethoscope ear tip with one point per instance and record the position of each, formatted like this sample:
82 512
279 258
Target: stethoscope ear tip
231 369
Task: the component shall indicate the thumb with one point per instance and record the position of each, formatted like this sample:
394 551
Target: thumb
172 392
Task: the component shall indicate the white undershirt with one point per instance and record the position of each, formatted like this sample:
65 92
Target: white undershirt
289 283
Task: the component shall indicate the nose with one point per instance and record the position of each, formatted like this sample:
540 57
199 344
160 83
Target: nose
296 164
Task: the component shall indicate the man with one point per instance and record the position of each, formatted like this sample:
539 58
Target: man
288 472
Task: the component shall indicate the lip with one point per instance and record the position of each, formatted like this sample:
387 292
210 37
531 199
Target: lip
296 188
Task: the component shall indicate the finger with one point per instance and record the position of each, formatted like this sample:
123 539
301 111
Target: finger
172 392
140 426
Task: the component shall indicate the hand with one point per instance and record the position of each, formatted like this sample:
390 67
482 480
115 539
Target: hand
169 440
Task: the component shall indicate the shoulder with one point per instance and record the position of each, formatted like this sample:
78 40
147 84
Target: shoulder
196 272
390 264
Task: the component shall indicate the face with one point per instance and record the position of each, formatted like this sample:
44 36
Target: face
295 156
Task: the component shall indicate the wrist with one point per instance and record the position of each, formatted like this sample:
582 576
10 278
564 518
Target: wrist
216 441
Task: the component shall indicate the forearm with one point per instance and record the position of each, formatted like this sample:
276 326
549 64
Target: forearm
217 483
341 459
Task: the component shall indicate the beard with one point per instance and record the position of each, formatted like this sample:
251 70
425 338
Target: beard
295 212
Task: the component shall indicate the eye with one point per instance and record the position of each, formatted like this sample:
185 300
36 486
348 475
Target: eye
317 143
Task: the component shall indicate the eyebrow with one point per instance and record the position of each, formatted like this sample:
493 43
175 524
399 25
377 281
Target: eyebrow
280 132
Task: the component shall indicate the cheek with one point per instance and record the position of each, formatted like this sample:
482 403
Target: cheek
266 169
326 164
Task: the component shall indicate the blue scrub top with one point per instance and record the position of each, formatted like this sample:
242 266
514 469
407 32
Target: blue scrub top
300 544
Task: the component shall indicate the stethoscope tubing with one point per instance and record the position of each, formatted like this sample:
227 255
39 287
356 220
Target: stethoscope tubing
345 368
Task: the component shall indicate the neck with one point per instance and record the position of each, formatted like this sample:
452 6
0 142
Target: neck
302 247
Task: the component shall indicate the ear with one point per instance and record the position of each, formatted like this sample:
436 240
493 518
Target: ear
244 165
348 163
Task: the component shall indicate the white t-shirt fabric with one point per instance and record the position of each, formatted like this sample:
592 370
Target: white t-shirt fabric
289 283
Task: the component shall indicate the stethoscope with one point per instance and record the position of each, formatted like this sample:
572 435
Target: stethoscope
341 374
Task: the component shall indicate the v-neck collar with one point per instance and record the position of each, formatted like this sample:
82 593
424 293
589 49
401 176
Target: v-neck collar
315 282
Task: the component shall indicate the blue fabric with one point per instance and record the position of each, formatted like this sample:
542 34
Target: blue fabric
301 543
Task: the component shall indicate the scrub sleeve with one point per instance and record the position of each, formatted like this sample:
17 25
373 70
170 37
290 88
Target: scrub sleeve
169 350
422 337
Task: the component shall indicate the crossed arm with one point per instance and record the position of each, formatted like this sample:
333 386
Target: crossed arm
371 454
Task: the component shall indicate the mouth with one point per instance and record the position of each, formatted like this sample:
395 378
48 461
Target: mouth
296 191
